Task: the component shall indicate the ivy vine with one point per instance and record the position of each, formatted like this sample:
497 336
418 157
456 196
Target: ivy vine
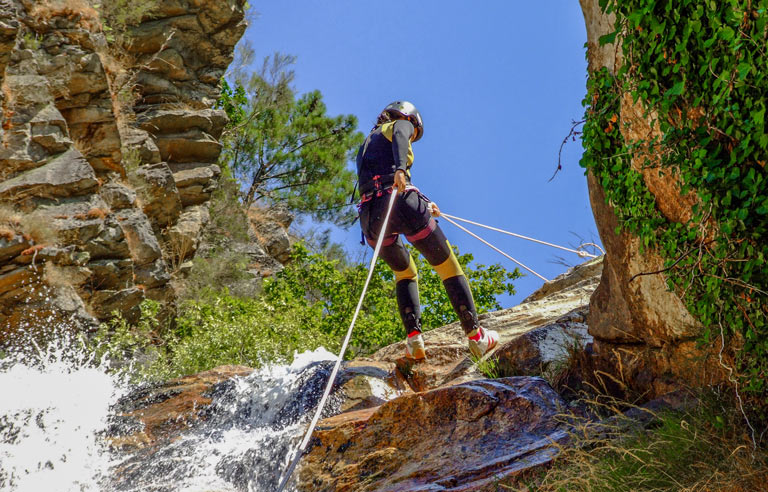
699 67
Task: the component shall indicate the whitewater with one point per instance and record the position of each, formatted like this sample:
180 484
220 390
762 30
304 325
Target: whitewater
60 407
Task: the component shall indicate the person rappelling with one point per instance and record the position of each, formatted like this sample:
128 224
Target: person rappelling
383 167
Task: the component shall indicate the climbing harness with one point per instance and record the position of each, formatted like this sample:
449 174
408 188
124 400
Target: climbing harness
452 219
335 371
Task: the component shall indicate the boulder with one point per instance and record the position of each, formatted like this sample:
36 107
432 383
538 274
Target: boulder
532 353
66 175
174 121
190 146
104 303
159 195
161 412
183 238
118 196
142 242
196 184
466 437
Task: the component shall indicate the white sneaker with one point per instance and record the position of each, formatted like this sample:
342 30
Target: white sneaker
414 347
482 341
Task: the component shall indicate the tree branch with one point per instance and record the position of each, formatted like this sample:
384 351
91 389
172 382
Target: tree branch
571 134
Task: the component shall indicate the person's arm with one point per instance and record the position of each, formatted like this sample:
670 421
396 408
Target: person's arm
401 141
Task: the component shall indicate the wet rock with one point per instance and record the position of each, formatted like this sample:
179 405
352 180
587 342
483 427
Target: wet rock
111 274
105 303
463 437
11 247
161 412
366 383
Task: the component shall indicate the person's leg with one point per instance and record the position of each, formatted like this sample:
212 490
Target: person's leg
406 284
432 243
394 254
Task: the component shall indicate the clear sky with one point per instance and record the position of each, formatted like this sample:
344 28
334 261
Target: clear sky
497 82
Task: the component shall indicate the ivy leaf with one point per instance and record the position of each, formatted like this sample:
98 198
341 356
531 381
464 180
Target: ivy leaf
744 69
607 38
676 89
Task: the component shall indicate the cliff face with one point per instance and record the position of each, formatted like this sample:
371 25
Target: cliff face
107 155
644 335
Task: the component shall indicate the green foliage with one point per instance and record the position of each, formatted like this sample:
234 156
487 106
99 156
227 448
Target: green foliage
220 263
307 305
327 292
701 67
285 148
118 15
488 367
222 329
130 348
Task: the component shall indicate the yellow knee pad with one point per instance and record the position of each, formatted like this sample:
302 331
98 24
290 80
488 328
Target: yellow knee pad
450 267
409 273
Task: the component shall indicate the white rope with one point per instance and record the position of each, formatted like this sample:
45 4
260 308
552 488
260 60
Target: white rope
335 371
582 254
447 217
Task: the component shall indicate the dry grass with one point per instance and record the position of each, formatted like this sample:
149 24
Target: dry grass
80 11
7 234
177 249
33 227
98 213
10 217
32 250
706 448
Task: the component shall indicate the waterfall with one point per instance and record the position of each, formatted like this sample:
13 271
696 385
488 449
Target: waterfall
58 407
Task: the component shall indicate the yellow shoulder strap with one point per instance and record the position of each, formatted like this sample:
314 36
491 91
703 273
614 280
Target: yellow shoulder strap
387 129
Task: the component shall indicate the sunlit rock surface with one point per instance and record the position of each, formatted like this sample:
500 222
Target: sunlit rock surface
109 145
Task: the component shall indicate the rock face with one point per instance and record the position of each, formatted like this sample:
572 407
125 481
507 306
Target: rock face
108 152
465 437
644 335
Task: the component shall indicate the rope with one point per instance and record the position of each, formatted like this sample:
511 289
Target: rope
447 217
582 254
335 371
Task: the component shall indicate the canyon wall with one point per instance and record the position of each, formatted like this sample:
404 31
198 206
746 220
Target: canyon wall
108 151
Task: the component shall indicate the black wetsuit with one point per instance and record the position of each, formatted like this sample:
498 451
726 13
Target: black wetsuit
386 150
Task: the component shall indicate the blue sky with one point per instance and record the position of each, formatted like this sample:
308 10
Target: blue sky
497 82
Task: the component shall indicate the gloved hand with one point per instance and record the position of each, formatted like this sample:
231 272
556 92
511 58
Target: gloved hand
400 181
433 209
